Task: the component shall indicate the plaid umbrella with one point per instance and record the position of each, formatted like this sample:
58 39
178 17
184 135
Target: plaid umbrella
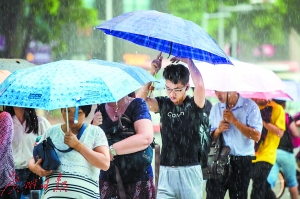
166 33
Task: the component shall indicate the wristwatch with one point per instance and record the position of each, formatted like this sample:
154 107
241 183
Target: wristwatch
112 150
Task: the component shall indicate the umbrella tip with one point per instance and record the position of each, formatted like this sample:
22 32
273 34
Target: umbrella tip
18 61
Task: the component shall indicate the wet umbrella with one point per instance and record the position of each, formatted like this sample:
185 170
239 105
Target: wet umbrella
292 88
138 73
66 83
241 77
258 95
166 33
14 64
3 75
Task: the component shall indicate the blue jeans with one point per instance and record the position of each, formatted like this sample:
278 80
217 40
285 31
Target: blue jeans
287 162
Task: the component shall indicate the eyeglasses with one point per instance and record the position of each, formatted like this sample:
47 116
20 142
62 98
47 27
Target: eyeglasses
176 90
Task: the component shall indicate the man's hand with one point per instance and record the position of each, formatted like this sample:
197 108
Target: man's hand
70 139
184 60
156 64
97 119
39 170
228 116
223 126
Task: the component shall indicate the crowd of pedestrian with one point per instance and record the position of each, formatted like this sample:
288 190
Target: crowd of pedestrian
105 160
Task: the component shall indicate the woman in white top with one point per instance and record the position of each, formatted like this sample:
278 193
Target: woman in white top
78 174
27 127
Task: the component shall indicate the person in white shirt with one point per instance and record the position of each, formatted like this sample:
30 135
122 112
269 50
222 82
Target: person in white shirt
27 127
77 176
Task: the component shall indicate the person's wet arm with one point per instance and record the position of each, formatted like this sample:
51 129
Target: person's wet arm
140 141
36 167
199 91
294 129
98 157
277 124
144 91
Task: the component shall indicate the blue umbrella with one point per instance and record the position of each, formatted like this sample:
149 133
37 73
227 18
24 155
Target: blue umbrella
139 74
14 64
66 83
166 33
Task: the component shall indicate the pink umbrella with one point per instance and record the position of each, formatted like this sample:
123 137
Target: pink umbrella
241 77
259 95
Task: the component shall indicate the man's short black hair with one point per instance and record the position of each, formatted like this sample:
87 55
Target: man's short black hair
280 102
177 73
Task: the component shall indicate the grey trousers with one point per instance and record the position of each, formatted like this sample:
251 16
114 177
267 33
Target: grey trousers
180 182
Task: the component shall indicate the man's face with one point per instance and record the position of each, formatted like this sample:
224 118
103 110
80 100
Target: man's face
222 96
176 92
260 102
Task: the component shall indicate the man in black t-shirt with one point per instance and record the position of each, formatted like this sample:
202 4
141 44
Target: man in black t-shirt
180 170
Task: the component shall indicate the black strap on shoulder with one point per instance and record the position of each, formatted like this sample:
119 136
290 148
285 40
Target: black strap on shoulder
83 127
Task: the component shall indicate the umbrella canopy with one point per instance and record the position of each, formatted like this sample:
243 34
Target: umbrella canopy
166 33
3 75
258 95
65 83
292 88
261 95
14 64
242 77
139 74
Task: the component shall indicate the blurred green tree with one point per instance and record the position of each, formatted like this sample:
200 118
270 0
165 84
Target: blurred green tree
45 21
269 25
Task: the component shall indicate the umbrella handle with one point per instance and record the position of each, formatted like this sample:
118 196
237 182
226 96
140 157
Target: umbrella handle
227 106
170 52
67 119
151 87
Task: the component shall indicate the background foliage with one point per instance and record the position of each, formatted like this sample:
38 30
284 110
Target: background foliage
47 21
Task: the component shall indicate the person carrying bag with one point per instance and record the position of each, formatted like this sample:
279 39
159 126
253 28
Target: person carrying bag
128 127
238 122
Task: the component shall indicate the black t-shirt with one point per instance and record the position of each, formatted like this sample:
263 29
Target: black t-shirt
179 131
285 141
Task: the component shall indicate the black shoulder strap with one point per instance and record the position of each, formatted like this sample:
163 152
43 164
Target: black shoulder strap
83 127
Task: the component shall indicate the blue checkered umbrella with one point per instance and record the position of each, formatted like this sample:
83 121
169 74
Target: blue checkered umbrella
166 33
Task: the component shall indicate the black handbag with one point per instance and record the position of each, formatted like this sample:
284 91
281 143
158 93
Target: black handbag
137 161
218 164
46 151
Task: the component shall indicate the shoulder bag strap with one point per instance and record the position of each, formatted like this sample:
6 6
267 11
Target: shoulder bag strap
83 127
120 184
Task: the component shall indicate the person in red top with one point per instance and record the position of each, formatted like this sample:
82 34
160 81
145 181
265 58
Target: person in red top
7 168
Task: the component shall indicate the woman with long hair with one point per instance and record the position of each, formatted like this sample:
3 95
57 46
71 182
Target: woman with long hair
27 127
